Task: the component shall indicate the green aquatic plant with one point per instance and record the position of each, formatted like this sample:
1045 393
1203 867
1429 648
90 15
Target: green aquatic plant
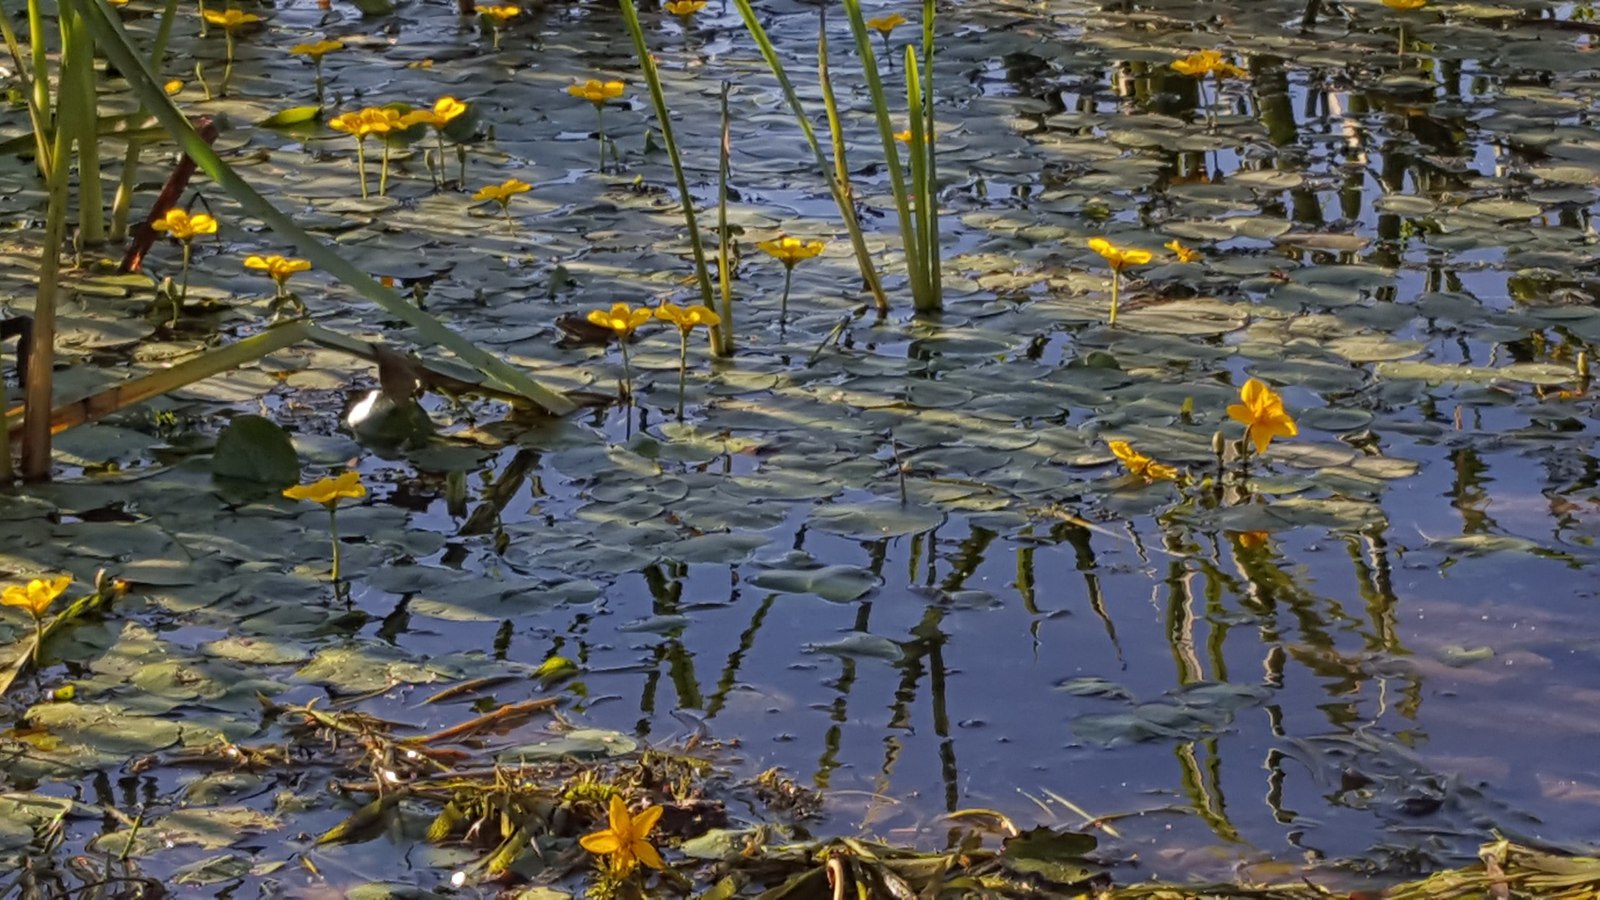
1261 411
232 22
328 492
625 841
184 228
916 200
598 93
687 319
622 320
1118 258
315 51
658 99
35 598
790 251
502 193
836 174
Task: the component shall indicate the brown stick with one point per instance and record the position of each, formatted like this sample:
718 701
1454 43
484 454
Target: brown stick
145 235
505 715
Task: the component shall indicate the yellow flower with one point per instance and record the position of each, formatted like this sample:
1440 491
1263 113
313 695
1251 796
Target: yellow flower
185 227
444 110
1262 415
596 92
1405 5
791 250
1250 540
503 192
1117 257
231 20
37 596
626 839
621 318
280 268
684 8
316 51
1207 62
329 491
381 120
501 14
351 123
172 87
904 137
1141 466
885 24
687 318
1184 254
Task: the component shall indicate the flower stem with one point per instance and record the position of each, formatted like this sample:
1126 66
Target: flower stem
383 171
627 372
783 305
600 133
333 532
505 207
439 176
1116 292
321 91
183 288
683 368
38 640
494 37
361 165
227 69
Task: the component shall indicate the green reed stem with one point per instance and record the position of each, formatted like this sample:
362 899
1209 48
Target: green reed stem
78 77
122 201
841 167
935 262
722 334
664 120
924 203
915 271
838 187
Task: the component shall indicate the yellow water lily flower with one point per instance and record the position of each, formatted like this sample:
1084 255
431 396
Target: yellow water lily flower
684 9
1405 5
172 87
351 123
1184 254
503 192
1119 258
500 13
1262 414
626 838
885 24
443 111
231 20
596 92
1141 466
1207 62
279 268
184 227
316 50
791 250
621 318
1250 540
329 491
687 318
37 595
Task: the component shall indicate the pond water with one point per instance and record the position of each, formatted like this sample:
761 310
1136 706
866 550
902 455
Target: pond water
903 566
